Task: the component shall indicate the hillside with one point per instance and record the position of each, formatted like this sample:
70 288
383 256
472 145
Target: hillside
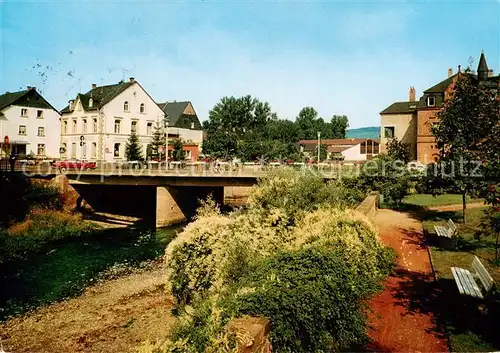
364 132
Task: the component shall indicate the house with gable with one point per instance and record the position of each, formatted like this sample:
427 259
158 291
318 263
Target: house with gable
30 125
97 125
411 121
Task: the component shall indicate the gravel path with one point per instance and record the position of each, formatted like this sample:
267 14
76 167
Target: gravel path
402 320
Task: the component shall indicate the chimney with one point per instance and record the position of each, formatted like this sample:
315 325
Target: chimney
94 86
490 73
132 79
450 72
411 94
28 87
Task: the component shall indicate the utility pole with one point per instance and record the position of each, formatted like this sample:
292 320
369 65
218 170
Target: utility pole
319 138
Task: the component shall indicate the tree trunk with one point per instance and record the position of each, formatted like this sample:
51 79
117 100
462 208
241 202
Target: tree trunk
464 204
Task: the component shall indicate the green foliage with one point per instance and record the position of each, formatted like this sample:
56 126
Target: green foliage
246 128
39 229
296 255
323 153
398 150
178 153
43 196
133 149
467 133
158 141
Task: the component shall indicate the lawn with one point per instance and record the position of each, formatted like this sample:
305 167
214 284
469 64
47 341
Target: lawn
439 200
66 268
471 329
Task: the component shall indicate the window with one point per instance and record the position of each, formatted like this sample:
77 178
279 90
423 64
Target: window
94 125
133 127
192 126
148 128
142 108
22 130
376 148
431 101
41 131
91 102
117 150
369 147
362 148
41 149
94 150
125 106
389 132
84 149
24 112
84 125
74 126
65 127
73 150
39 114
62 149
117 126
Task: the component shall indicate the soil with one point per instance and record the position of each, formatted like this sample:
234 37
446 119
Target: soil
114 316
402 320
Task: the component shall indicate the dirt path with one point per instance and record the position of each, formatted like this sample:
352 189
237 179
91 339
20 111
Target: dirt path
111 317
402 319
456 207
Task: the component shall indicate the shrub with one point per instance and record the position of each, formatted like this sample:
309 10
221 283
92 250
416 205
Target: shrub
27 238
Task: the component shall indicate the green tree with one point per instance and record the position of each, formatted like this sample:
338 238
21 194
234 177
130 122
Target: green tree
466 122
133 150
339 125
178 153
398 150
158 141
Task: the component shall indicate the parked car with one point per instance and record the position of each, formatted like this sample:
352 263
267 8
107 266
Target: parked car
74 165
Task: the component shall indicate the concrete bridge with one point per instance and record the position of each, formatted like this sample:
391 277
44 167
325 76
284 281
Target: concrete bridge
161 197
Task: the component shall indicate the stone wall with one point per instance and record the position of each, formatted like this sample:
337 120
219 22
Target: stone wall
369 206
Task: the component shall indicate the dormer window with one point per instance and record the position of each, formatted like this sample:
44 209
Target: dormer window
142 108
125 106
91 102
70 104
431 101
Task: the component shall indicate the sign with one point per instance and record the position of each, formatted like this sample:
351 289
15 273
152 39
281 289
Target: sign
6 140
62 149
82 138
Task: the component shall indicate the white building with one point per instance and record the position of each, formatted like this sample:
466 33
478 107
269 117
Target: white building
344 149
97 125
30 124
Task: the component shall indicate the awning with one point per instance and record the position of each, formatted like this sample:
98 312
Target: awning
18 142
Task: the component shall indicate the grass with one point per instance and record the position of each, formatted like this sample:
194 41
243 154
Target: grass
439 200
65 268
471 328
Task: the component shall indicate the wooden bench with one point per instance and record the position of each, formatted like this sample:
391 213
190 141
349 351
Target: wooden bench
446 232
466 281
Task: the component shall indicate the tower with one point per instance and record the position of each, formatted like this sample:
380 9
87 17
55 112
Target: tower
482 68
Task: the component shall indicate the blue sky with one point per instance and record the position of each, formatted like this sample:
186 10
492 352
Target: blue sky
352 58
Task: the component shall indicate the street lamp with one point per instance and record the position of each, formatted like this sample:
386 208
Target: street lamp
319 138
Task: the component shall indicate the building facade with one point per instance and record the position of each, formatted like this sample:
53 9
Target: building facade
96 125
30 124
411 121
352 150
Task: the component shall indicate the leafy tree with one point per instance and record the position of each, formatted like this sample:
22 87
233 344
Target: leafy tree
466 122
339 124
398 150
158 141
133 150
178 153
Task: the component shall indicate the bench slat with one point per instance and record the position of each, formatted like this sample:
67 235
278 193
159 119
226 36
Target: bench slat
482 273
465 283
457 280
473 287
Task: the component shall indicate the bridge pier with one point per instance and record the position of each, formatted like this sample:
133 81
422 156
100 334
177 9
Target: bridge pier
177 204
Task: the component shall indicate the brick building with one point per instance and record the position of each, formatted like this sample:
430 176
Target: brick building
411 121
